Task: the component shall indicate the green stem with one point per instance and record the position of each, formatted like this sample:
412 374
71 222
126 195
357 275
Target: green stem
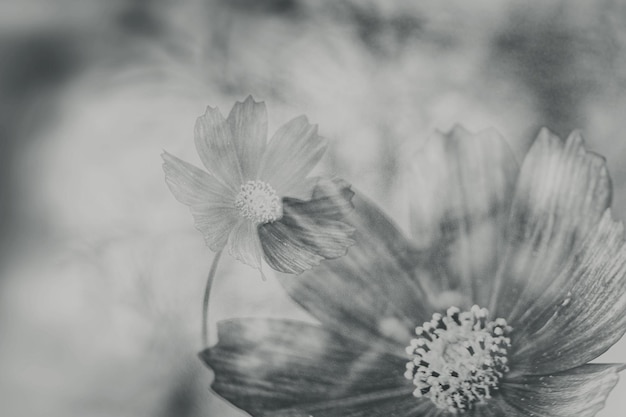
207 295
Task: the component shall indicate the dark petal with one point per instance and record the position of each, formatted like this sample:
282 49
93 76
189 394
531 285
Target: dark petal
290 155
265 365
216 148
309 231
370 294
460 189
384 404
397 404
582 313
493 407
579 392
331 199
562 193
248 125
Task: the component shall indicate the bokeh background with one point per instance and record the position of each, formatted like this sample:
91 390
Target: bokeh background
101 270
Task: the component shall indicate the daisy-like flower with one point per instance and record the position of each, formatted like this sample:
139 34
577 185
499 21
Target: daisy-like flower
256 197
515 280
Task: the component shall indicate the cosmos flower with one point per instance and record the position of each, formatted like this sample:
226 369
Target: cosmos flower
514 281
256 197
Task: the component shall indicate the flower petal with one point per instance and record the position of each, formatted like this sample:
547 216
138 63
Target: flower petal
397 403
303 190
496 407
244 244
191 185
579 392
371 293
562 193
582 313
309 231
331 198
215 222
291 154
248 125
217 149
461 186
265 365
212 204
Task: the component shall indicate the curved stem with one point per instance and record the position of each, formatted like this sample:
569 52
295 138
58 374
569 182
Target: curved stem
207 295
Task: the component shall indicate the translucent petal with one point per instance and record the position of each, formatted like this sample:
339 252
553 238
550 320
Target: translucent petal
460 188
290 155
215 221
191 185
582 313
309 231
263 366
217 149
370 294
580 392
211 203
244 245
303 190
562 193
248 126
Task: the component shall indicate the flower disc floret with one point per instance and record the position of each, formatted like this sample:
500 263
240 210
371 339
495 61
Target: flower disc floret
257 201
458 359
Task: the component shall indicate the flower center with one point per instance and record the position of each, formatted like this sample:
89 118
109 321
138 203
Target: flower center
458 359
257 201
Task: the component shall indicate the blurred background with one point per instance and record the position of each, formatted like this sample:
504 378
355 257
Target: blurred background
101 270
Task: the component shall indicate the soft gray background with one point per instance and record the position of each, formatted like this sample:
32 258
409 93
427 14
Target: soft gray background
101 269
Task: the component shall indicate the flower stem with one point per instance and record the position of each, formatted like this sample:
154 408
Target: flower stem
207 295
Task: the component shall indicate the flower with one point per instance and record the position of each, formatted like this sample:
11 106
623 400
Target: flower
515 280
256 197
